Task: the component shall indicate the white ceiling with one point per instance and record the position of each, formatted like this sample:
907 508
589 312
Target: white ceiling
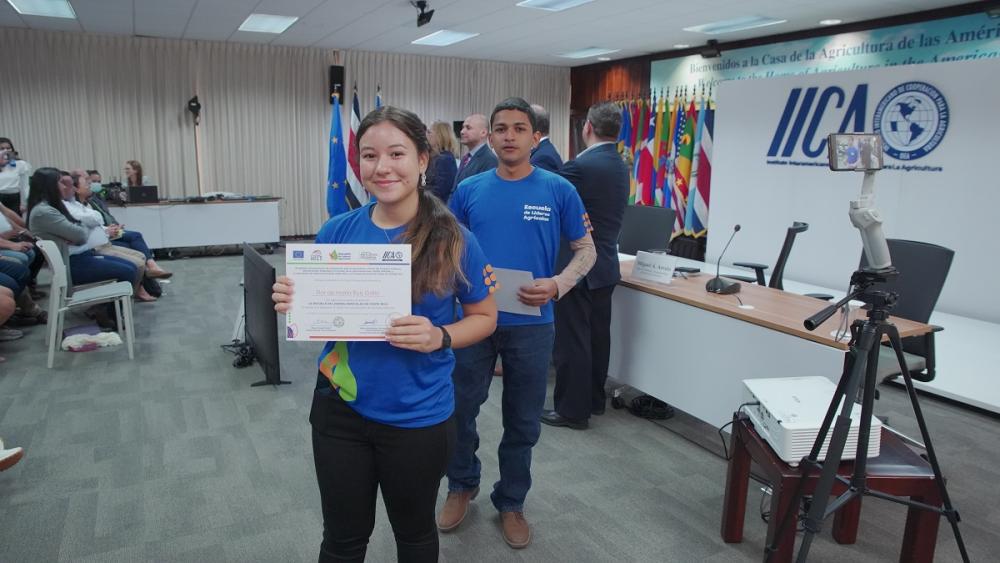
507 32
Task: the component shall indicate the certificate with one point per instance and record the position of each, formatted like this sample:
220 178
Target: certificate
346 292
508 282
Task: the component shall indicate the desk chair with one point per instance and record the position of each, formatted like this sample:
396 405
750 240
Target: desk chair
645 227
923 269
779 265
119 292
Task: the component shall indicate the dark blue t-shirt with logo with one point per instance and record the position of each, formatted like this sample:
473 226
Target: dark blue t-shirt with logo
519 224
381 382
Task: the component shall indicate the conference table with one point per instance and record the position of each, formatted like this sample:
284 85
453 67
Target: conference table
178 224
692 349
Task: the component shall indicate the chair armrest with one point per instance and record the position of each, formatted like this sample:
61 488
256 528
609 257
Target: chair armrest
822 296
936 328
747 279
758 268
929 359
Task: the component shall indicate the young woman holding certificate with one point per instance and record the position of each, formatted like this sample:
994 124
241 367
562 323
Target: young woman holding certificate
382 411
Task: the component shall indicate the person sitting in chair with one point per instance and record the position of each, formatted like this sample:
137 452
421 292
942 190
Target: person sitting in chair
85 186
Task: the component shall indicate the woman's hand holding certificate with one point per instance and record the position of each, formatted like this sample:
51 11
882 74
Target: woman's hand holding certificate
345 292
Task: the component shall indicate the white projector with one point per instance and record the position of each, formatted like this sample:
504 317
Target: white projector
790 412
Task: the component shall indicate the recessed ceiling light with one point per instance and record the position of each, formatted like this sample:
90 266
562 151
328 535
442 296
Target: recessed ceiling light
443 38
681 46
830 22
587 53
552 5
604 58
266 23
735 24
45 8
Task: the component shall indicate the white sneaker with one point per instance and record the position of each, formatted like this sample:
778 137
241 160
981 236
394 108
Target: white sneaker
8 458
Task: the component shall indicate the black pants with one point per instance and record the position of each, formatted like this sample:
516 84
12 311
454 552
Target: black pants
354 458
11 201
582 350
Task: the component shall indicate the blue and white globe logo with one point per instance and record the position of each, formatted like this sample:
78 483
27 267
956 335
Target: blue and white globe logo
912 119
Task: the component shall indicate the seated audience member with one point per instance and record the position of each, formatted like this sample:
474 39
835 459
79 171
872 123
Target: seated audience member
49 219
134 176
85 186
14 174
7 307
98 239
443 167
16 258
9 457
16 241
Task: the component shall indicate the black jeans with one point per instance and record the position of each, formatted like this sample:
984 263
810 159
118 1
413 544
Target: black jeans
354 458
11 201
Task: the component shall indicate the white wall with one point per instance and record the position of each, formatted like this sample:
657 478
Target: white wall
955 207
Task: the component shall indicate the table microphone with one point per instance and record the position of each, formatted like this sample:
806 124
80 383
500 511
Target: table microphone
723 286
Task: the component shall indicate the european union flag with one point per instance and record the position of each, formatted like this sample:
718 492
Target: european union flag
336 176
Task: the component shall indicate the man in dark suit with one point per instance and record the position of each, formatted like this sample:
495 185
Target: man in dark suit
544 155
480 157
583 316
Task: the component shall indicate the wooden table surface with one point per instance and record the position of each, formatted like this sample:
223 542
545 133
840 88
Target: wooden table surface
772 308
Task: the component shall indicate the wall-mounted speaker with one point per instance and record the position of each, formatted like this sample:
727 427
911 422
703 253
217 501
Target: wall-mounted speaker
336 82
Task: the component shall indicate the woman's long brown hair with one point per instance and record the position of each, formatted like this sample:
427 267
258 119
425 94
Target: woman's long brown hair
434 234
137 168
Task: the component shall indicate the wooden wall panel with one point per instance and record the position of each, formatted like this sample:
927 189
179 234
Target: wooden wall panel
608 81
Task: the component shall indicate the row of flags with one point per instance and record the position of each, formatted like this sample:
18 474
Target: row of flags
668 143
343 185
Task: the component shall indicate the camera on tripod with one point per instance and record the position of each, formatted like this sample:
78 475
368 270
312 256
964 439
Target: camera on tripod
861 153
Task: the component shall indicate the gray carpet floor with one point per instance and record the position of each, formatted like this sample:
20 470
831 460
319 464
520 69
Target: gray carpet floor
174 457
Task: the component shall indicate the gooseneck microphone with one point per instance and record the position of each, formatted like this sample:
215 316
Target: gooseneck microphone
721 285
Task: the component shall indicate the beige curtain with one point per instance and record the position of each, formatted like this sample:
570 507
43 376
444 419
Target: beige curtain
74 100
449 89
77 101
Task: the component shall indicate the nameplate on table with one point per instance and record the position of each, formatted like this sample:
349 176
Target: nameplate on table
656 268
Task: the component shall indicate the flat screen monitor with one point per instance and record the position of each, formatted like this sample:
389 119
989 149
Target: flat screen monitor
261 319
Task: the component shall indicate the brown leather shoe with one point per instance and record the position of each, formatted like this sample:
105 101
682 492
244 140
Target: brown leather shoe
516 531
456 506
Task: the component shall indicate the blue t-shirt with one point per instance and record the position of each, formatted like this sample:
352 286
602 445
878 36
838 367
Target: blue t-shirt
387 384
519 224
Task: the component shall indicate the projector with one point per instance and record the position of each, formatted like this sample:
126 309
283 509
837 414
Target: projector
790 412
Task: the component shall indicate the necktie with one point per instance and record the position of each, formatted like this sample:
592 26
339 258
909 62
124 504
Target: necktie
465 160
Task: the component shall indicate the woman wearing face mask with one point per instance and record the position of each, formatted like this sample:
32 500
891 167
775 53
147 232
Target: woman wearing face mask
85 190
381 412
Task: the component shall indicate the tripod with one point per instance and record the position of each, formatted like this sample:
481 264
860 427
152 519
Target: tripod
860 373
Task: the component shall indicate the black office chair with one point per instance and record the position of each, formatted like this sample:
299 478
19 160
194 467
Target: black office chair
779 265
923 269
645 227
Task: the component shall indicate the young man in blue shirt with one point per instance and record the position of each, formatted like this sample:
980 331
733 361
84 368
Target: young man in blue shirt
518 213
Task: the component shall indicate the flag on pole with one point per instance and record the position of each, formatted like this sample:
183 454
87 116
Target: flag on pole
663 140
700 199
645 173
336 172
689 216
682 167
378 96
353 171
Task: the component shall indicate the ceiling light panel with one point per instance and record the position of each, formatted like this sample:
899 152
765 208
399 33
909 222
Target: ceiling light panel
553 5
733 25
443 38
587 53
44 8
267 23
